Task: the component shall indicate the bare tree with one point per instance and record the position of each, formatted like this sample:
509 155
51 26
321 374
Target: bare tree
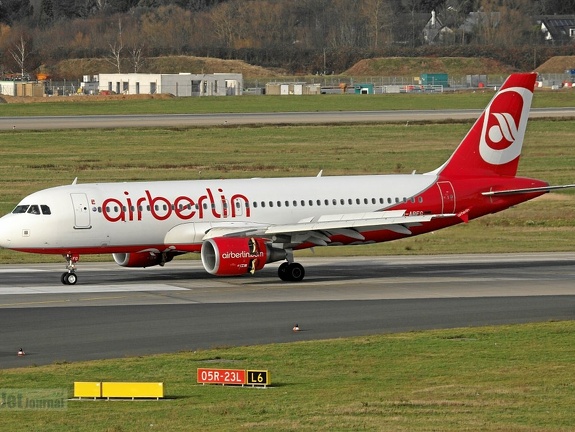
20 54
411 7
116 47
137 57
379 16
224 18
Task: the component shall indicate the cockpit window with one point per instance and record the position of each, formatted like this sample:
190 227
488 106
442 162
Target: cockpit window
34 209
20 209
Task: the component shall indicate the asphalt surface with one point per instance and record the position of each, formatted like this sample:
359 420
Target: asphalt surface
231 119
114 312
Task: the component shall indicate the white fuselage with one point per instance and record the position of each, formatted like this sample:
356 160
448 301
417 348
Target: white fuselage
117 216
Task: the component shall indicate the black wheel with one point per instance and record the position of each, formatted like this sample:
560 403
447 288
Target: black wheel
296 272
283 271
72 278
69 278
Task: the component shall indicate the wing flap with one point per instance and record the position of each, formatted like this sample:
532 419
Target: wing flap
356 221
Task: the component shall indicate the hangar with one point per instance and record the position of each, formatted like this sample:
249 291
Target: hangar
182 84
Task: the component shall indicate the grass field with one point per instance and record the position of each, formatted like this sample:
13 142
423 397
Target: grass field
509 378
87 105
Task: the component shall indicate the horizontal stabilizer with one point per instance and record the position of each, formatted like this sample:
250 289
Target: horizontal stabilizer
527 190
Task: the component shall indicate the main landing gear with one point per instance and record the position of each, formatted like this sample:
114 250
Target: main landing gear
291 272
69 277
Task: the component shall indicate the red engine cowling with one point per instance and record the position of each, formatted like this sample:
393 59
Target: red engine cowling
141 259
224 256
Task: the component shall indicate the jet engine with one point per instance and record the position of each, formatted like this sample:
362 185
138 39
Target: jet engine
142 259
224 256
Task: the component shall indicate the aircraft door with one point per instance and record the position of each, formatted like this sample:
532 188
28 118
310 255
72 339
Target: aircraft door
447 196
81 211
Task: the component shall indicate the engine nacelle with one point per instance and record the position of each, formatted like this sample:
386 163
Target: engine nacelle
225 256
141 259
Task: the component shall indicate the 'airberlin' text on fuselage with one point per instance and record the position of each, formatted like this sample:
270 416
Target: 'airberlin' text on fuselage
183 207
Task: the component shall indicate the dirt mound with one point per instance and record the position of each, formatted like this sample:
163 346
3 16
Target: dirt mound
75 68
414 66
558 64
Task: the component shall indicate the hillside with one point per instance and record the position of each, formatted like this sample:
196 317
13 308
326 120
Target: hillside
413 66
557 64
75 68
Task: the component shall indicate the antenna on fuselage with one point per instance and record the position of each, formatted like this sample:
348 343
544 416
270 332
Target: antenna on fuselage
319 173
75 180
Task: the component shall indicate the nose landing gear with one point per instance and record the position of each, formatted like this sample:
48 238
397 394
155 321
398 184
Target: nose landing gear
69 277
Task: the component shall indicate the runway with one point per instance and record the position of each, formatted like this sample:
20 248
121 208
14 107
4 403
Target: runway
235 119
115 312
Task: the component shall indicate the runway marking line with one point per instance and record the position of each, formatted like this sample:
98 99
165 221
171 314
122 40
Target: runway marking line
83 289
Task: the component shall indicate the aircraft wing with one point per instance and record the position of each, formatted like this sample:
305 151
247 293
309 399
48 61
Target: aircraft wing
317 230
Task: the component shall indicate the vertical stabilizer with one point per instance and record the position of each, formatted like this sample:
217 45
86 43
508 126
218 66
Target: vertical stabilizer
493 145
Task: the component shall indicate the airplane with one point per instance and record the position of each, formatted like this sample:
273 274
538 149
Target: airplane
240 225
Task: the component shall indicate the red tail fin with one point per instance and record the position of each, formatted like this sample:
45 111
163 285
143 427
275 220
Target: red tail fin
493 145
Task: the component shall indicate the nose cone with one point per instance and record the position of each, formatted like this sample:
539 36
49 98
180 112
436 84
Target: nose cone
7 231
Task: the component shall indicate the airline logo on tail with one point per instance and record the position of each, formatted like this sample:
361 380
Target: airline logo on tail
504 125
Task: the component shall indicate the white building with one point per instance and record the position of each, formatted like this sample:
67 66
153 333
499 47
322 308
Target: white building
182 84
